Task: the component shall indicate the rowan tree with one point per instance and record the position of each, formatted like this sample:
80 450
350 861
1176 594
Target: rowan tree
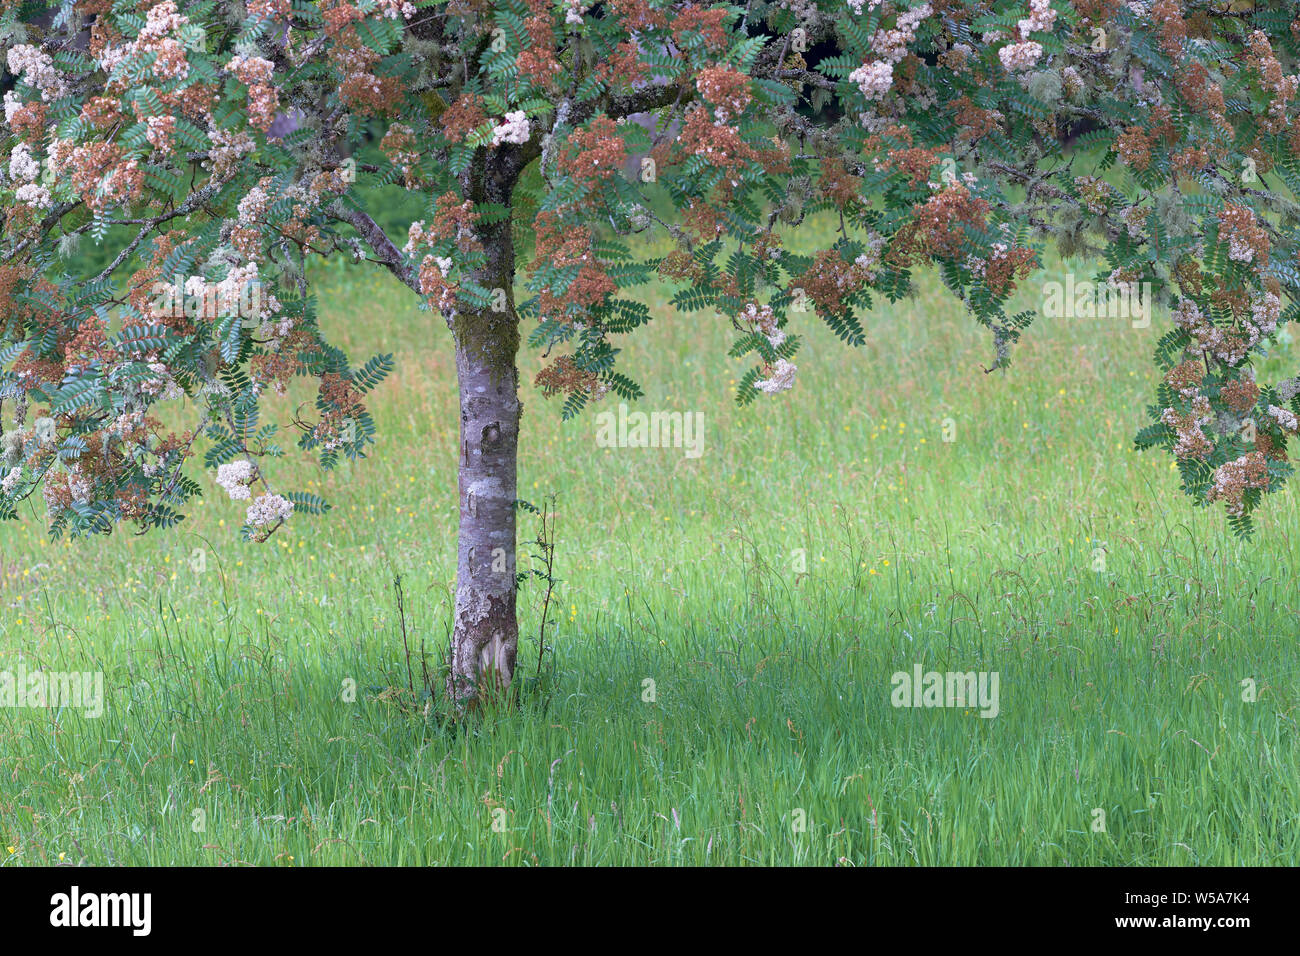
213 149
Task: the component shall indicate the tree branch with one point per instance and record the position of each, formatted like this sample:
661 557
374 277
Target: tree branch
385 250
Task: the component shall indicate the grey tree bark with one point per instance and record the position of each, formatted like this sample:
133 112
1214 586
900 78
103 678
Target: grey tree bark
486 635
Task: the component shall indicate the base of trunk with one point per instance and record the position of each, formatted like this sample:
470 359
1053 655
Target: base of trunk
483 653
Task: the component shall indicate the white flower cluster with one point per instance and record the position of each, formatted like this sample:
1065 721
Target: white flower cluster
111 56
868 261
1017 57
1230 349
36 69
979 266
1284 417
274 333
162 19
238 294
228 148
873 79
241 292
414 236
13 103
79 486
158 132
1041 18
268 509
162 384
10 482
1239 250
256 69
513 129
12 448
52 501
857 5
22 166
235 478
1134 218
762 318
1265 311
947 182
891 45
162 24
803 10
574 9
125 423
253 206
1187 314
1233 478
781 379
34 194
398 8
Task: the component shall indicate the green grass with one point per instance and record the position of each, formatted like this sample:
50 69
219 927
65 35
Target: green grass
1120 688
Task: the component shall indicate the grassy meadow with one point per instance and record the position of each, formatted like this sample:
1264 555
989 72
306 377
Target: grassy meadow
826 538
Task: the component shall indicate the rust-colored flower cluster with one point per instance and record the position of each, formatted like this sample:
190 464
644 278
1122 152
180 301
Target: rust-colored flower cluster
537 61
1005 265
935 229
563 377
830 280
726 90
400 146
568 249
463 116
255 72
594 154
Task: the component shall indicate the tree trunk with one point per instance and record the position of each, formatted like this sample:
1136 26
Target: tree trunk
486 635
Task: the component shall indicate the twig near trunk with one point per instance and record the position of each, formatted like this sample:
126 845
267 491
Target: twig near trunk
401 616
546 541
